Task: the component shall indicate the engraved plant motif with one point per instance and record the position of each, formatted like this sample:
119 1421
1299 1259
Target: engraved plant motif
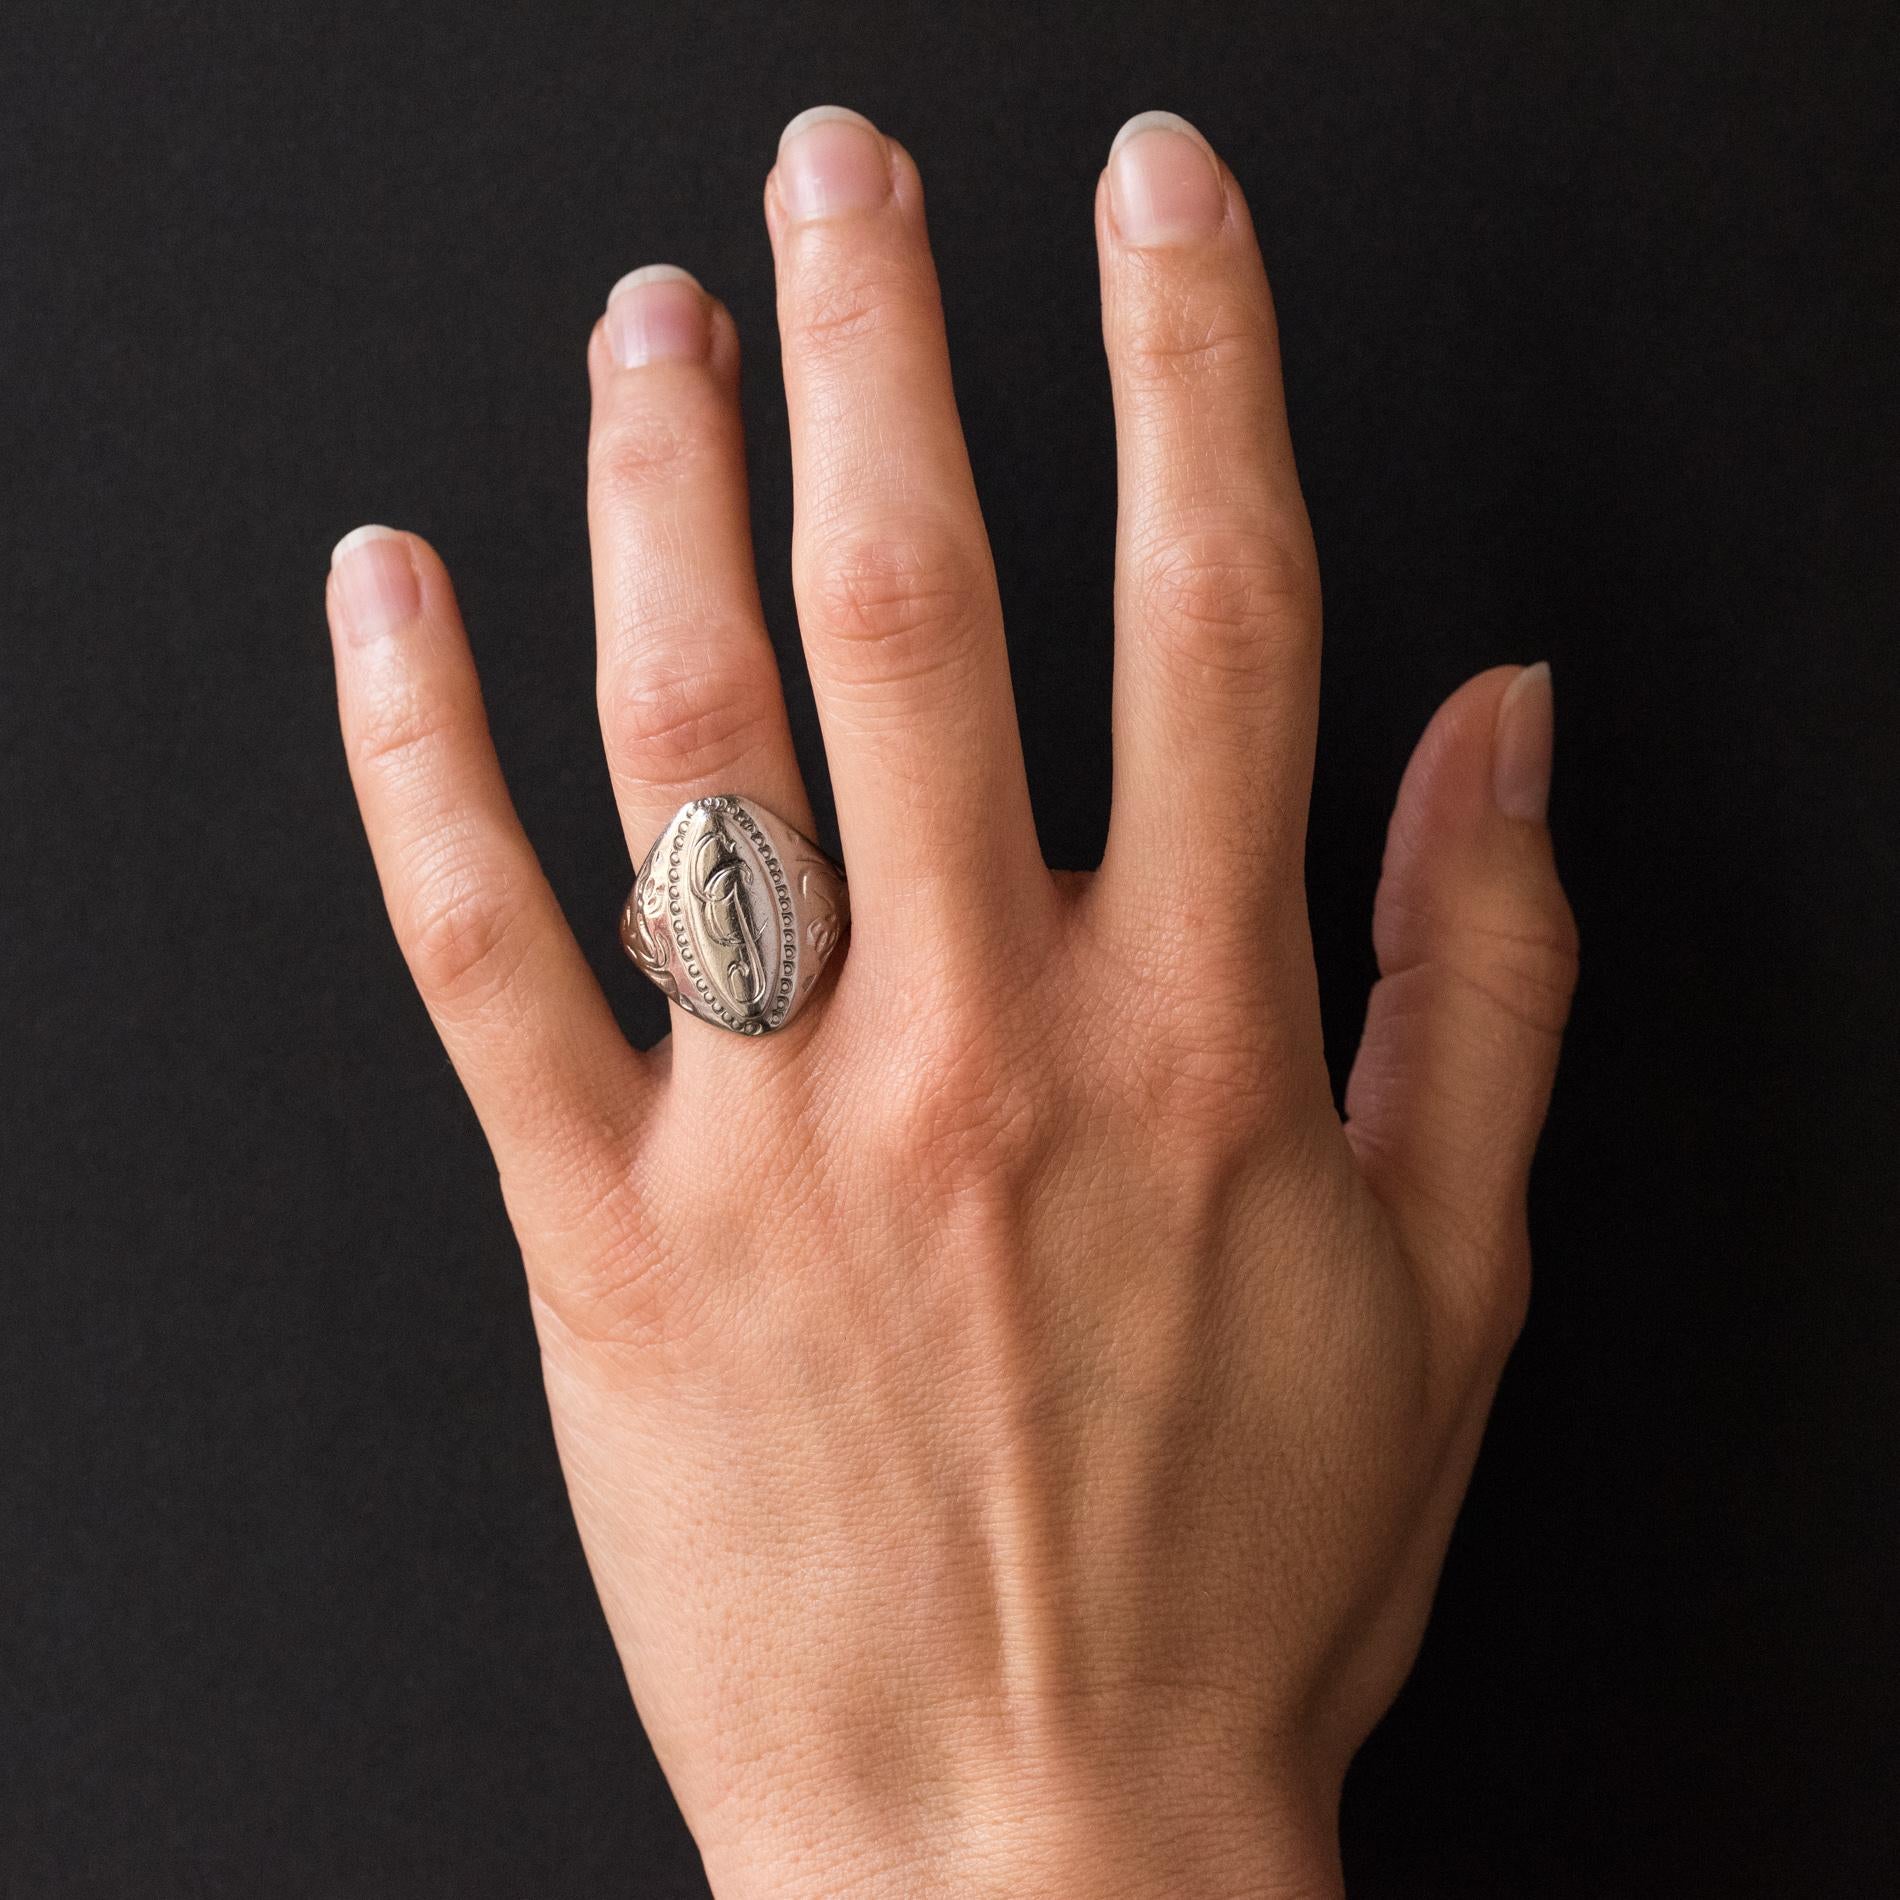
636 933
722 922
821 931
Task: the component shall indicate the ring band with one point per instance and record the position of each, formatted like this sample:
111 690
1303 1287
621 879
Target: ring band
735 914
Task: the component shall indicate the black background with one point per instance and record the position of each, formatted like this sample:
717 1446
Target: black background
1590 324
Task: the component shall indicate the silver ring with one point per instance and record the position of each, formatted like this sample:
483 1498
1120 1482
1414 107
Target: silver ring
735 914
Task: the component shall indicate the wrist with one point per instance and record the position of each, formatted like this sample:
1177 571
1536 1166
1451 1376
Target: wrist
1054 1867
1057 1844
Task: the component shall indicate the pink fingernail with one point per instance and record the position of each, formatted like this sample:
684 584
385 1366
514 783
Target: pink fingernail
375 583
831 162
658 314
1522 744
1163 187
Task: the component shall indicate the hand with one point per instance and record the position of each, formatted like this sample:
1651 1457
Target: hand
1014 1425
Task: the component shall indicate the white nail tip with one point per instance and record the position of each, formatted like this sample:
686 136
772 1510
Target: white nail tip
821 115
371 531
1155 122
1533 682
654 274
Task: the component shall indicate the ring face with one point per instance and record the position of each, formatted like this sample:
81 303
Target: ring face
734 914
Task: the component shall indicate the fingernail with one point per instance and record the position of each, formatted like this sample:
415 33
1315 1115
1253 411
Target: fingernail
658 314
830 162
1521 746
375 582
1163 187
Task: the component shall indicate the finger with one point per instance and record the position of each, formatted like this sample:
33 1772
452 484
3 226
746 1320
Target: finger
896 592
690 700
518 1010
1477 959
1216 587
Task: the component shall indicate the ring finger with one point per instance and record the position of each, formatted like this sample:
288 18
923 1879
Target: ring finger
690 700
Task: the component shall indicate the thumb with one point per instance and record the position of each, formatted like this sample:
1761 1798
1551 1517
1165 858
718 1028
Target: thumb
1477 960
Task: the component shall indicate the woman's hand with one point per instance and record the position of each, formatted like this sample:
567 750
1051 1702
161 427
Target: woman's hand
1014 1425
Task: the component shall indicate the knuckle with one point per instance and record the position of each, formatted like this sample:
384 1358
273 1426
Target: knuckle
1204 1061
1188 339
668 721
906 597
932 1095
839 310
398 733
1507 1302
460 932
1220 600
958 1104
1481 1280
1517 948
620 1286
1214 1104
1526 967
636 452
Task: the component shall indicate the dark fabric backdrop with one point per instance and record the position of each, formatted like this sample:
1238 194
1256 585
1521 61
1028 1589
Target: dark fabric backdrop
1590 326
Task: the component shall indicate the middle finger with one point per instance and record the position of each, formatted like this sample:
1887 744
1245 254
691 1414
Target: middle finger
896 591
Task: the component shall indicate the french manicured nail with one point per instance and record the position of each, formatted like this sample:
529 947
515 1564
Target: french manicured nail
375 582
658 314
832 162
1163 187
1521 746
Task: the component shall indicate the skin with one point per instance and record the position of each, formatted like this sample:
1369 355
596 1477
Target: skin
1015 1429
